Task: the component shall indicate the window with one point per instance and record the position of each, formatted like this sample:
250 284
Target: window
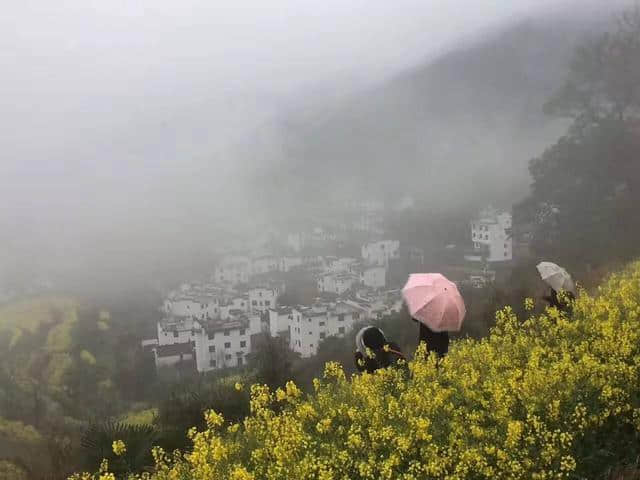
212 348
341 317
310 333
267 303
243 344
322 335
227 344
486 237
322 324
474 235
227 356
227 333
240 361
260 303
212 363
309 320
356 315
341 330
243 331
254 302
311 345
505 254
505 245
175 334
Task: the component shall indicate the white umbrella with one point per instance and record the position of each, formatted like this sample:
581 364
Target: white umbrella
556 277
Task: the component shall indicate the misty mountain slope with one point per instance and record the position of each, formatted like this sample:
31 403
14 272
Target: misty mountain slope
452 132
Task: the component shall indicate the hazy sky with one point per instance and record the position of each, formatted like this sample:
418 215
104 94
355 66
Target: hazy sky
122 119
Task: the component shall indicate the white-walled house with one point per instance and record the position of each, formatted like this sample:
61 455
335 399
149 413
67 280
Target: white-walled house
264 264
189 305
341 265
374 277
295 241
262 299
222 344
287 263
172 330
233 270
337 283
381 252
281 319
316 323
491 233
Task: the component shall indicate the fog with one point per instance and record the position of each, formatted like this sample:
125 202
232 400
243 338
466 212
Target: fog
132 131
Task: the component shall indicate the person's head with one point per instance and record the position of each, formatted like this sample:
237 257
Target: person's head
370 337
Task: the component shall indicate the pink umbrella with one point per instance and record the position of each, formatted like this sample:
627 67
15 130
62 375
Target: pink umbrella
434 301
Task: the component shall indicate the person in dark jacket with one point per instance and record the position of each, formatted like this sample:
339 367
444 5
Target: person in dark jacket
563 302
437 342
384 353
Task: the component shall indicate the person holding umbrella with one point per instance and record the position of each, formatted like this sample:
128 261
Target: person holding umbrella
436 304
558 280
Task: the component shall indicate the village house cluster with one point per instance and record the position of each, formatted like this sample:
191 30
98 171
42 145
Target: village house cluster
212 324
215 324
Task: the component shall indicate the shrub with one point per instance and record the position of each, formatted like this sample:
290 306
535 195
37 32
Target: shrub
539 398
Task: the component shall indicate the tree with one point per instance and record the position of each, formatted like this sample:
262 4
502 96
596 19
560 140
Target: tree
585 187
272 360
604 76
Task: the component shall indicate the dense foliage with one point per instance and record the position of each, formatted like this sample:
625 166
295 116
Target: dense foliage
542 397
585 187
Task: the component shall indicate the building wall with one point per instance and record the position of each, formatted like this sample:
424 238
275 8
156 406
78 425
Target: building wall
187 307
287 263
222 349
233 270
262 299
381 253
295 241
308 330
336 283
492 229
264 265
179 332
279 322
374 277
342 265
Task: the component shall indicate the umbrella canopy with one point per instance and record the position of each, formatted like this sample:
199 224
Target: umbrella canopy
434 301
556 277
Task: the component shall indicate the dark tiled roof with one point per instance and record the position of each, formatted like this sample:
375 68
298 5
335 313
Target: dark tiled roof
174 350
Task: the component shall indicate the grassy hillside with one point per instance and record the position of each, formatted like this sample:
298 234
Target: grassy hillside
542 397
62 365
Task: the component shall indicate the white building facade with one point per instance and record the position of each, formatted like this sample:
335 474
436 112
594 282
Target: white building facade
222 345
316 323
491 232
337 283
381 253
374 277
233 270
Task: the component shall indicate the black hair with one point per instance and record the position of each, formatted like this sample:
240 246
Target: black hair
373 338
